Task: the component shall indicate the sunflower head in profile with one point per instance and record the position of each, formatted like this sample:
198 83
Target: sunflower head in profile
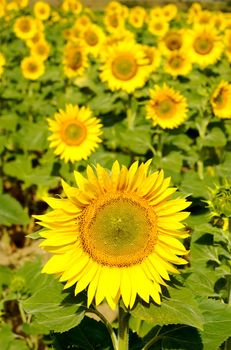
221 100
75 133
158 26
32 67
166 107
40 50
116 234
42 10
124 67
75 59
206 46
178 63
25 27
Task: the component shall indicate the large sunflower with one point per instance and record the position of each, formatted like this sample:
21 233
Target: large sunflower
221 100
124 67
166 107
178 63
25 27
75 60
116 234
32 67
75 133
205 46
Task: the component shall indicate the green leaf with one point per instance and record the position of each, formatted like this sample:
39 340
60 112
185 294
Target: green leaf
33 136
11 212
54 308
217 324
216 138
172 310
8 341
184 338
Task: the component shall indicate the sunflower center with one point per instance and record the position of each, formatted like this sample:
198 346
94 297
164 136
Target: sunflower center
73 133
158 26
118 230
124 67
176 62
75 60
41 49
91 38
165 108
25 26
32 67
203 45
173 42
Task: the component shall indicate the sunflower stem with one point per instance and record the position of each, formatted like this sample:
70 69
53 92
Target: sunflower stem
123 330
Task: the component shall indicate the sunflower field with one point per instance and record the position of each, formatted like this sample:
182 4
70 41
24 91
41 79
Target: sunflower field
115 197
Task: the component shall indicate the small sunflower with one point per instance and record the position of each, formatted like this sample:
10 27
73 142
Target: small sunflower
73 6
124 67
42 10
156 12
25 27
178 63
203 18
166 107
93 37
158 26
221 100
40 50
32 68
75 60
169 12
83 22
114 22
206 46
117 234
153 56
219 21
39 36
174 40
227 42
137 16
75 133
2 63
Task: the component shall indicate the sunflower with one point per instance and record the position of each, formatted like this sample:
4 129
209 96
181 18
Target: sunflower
206 46
178 63
42 10
219 21
156 12
75 59
93 37
114 7
203 18
227 42
25 27
73 6
221 100
22 3
153 56
39 36
166 107
75 133
174 40
169 12
124 67
158 26
193 12
114 22
116 234
32 68
82 22
40 50
2 8
2 63
137 16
